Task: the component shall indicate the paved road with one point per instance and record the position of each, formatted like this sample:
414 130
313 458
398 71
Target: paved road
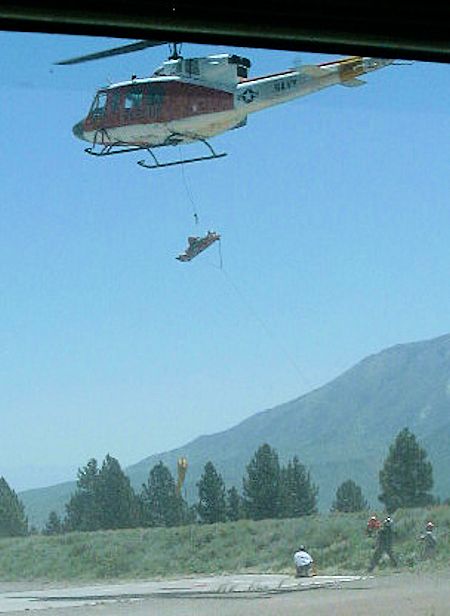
404 594
20 598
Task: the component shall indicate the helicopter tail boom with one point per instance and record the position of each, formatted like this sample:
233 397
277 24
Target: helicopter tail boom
263 92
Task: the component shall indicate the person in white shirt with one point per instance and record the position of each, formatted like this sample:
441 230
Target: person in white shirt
303 562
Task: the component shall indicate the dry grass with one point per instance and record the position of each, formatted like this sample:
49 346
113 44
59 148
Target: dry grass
337 541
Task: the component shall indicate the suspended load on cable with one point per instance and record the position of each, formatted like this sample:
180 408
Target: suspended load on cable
196 245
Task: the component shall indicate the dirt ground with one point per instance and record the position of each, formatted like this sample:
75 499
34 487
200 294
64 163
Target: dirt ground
402 594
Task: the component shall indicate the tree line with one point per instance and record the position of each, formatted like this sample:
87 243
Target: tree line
105 499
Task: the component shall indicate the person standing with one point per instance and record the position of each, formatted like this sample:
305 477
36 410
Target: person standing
429 541
383 544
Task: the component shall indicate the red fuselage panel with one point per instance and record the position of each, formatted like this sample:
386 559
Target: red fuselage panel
154 102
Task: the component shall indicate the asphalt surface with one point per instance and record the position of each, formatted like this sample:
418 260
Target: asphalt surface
19 599
397 594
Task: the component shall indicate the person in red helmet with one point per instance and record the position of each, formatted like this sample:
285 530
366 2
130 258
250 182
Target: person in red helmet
373 525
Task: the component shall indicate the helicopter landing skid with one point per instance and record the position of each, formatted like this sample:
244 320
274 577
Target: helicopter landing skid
116 148
157 165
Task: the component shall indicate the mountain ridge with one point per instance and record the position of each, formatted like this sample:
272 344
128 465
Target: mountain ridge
340 430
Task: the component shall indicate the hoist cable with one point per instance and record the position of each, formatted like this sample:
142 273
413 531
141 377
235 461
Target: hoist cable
189 192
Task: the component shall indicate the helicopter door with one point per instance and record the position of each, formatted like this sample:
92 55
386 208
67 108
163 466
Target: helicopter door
154 98
114 106
133 104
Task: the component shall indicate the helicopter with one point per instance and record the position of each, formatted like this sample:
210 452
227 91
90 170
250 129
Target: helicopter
191 100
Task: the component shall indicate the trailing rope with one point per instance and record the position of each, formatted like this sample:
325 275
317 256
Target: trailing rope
267 329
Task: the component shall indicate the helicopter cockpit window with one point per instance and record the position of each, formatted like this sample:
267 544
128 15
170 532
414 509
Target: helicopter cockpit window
99 104
133 98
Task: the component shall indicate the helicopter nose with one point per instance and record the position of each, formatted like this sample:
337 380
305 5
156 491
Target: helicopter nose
78 130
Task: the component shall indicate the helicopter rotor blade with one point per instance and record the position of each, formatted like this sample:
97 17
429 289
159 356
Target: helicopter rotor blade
112 52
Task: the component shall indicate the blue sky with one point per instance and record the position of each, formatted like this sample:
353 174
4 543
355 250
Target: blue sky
334 214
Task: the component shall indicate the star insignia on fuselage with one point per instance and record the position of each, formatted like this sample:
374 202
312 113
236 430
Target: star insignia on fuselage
248 95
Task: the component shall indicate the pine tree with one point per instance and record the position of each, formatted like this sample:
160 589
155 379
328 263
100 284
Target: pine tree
104 499
83 511
298 493
261 486
53 525
13 522
406 477
162 505
349 498
211 505
234 505
116 499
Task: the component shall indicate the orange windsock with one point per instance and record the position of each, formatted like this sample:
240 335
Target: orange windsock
182 467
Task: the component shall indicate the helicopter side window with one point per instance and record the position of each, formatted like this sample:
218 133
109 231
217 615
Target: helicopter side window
154 96
99 104
133 98
114 101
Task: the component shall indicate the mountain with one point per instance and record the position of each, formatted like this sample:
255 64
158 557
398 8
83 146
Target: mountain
340 431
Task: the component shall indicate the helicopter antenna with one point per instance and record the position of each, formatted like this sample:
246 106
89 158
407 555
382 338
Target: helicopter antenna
175 49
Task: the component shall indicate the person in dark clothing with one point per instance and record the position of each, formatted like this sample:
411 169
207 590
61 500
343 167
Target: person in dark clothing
429 541
383 544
